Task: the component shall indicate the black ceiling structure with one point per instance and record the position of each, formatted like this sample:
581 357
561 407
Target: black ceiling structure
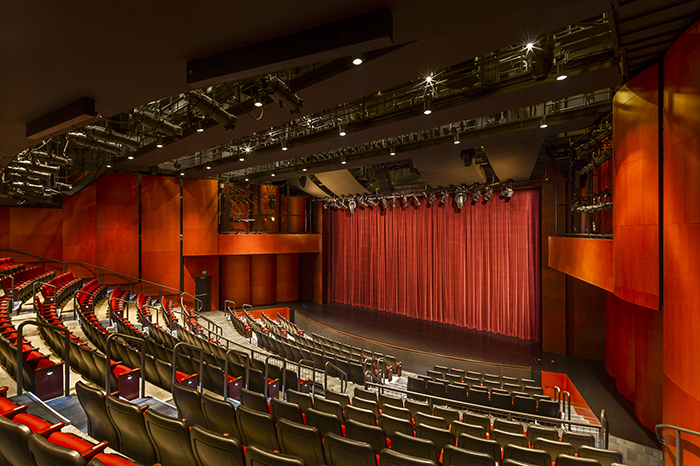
262 93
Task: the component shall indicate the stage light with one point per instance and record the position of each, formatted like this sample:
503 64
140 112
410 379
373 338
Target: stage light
159 143
561 71
182 173
352 205
393 202
284 144
341 130
426 108
456 138
246 179
303 169
211 109
429 79
444 196
131 157
208 167
385 203
200 126
416 201
259 99
529 46
431 199
543 122
357 60
272 174
506 193
405 201
487 196
392 150
343 161
460 198
476 197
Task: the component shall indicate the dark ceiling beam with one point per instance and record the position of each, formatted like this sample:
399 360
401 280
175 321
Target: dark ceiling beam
334 40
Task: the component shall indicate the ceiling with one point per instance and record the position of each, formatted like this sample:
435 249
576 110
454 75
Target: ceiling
487 90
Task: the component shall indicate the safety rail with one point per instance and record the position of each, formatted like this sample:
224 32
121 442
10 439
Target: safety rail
343 376
20 354
200 377
566 404
678 430
108 356
101 272
600 431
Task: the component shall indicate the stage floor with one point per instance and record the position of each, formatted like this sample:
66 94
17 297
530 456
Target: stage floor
590 378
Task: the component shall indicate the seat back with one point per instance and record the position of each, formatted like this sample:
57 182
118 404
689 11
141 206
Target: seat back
478 397
439 437
341 451
459 428
364 416
501 401
300 440
525 404
329 406
285 410
448 414
392 457
418 407
410 445
436 388
304 400
220 416
171 439
477 420
513 427
213 449
388 400
257 428
189 405
373 435
13 441
457 392
509 438
99 426
324 422
604 457
366 404
390 425
428 420
571 460
342 398
554 448
128 420
549 408
578 439
490 447
257 456
364 394
534 431
45 453
254 400
400 413
527 455
416 385
452 455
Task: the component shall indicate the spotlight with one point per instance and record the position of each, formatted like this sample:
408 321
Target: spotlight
487 196
272 174
211 109
456 138
246 179
182 173
303 169
392 150
444 197
131 157
241 158
561 71
343 161
476 197
506 193
543 122
341 130
159 143
426 108
431 199
109 165
357 60
406 201
416 201
460 198
385 204
208 167
529 46
200 127
393 202
259 99
285 145
429 79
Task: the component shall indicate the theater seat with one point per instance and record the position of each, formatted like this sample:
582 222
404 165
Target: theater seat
189 405
452 455
428 420
394 458
257 428
578 439
256 456
171 439
439 437
530 456
549 433
554 448
490 447
342 451
99 425
330 407
364 416
13 442
400 413
46 453
570 460
324 422
304 400
459 428
285 410
213 449
391 424
300 440
448 414
129 422
417 447
513 427
221 416
106 459
254 400
604 457
372 435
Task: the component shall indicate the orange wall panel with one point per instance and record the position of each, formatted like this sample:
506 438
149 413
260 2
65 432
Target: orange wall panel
681 320
117 223
585 311
160 230
268 244
635 217
589 260
193 269
235 279
4 229
287 281
200 211
262 279
36 231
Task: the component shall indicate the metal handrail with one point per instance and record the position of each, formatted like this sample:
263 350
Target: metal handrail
343 378
284 371
108 367
229 301
20 354
126 306
606 429
201 363
679 431
312 365
566 400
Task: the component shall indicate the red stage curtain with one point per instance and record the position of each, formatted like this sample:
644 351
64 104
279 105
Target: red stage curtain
477 268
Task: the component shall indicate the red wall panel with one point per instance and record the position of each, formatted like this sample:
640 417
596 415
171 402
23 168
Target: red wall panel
585 311
117 224
635 217
4 229
589 260
200 211
79 220
36 231
235 279
287 280
681 383
263 274
268 244
194 266
160 230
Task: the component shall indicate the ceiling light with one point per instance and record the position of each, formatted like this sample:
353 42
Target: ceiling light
429 79
476 197
303 169
392 150
460 198
285 145
182 173
543 122
131 157
357 60
248 148
109 165
426 108
343 161
272 174
341 130
529 46
159 143
259 99
208 167
456 138
200 126
561 71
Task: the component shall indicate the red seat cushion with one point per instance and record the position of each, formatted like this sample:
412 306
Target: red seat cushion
6 405
34 423
180 375
120 369
43 363
113 460
70 441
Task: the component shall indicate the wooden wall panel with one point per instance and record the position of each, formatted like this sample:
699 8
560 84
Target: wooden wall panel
235 280
262 279
200 211
79 222
117 224
287 281
635 171
589 260
268 244
36 231
681 320
4 229
585 311
193 269
160 230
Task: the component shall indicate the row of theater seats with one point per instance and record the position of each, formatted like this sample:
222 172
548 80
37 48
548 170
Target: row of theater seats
167 307
275 327
29 440
454 375
60 288
289 326
117 297
40 375
240 325
91 293
8 266
24 280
